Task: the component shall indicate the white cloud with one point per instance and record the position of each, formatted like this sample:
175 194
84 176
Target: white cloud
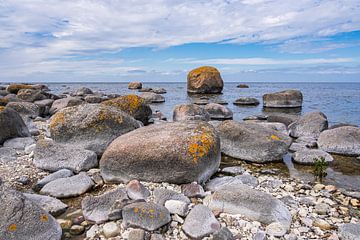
34 32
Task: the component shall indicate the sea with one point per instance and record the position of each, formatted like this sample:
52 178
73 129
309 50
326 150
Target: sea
340 102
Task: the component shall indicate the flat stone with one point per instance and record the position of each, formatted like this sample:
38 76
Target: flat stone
221 182
52 205
309 125
148 216
200 222
137 234
97 208
68 187
7 154
236 170
162 195
63 173
309 156
275 229
322 224
136 190
19 143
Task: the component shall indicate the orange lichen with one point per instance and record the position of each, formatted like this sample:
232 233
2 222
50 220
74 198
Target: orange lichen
136 210
207 69
44 218
200 144
274 137
129 103
12 227
2 108
57 120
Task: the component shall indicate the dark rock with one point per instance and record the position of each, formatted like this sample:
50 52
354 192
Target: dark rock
242 86
218 112
223 234
146 89
63 173
179 152
14 88
204 80
186 112
25 109
135 85
24 180
159 90
309 125
246 101
284 118
30 95
52 205
151 97
284 99
93 99
11 125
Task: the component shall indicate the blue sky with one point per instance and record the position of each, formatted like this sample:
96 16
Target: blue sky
161 40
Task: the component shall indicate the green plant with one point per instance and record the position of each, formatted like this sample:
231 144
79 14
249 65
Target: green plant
320 167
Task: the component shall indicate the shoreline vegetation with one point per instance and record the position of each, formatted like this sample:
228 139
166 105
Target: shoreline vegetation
89 165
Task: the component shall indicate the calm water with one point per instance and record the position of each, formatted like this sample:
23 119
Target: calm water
339 101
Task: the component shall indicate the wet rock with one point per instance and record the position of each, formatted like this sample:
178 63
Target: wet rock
223 234
193 190
97 208
25 109
63 173
252 204
200 222
204 80
19 143
179 152
133 105
52 156
341 140
148 216
284 99
252 142
186 112
221 182
162 195
309 125
30 95
52 205
151 97
135 190
284 118
68 187
218 112
11 125
135 85
177 207
111 229
64 103
246 101
349 231
7 154
91 126
22 219
309 156
137 234
145 89
242 86
83 91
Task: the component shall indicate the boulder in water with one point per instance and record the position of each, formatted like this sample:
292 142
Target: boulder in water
135 85
151 97
246 101
204 80
284 99
309 156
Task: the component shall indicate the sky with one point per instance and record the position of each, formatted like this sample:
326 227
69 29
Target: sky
162 40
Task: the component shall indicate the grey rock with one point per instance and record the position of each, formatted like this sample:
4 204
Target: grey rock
151 97
246 101
260 235
255 117
134 85
252 142
156 236
25 109
83 91
284 118
11 125
309 125
349 231
283 99
22 219
115 212
218 111
221 182
178 152
159 90
322 208
30 95
111 229
63 103
308 156
295 146
223 234
341 140
24 180
91 126
63 173
276 229
281 127
162 195
136 190
137 234
7 154
52 156
236 170
93 99
200 222
252 204
97 208
19 143
53 206
177 207
186 112
148 216
68 187
192 190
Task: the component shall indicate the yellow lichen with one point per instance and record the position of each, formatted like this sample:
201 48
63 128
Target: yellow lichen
12 227
207 69
57 120
129 103
136 210
44 218
2 108
200 144
274 137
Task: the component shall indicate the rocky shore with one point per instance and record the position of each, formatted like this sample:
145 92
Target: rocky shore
88 165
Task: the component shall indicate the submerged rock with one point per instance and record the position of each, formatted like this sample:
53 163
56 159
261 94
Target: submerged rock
284 99
90 126
179 152
204 80
187 112
22 219
246 101
11 125
309 156
284 118
252 142
342 140
309 125
218 111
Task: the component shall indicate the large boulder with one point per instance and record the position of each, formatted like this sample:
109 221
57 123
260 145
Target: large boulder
250 203
135 85
90 126
83 91
186 112
342 140
22 219
204 80
14 88
218 111
30 95
133 105
63 103
11 125
25 109
52 156
284 99
309 125
179 152
252 142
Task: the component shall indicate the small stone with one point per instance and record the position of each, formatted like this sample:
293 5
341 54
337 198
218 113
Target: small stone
156 236
223 234
354 202
63 173
24 180
322 224
177 218
193 190
52 205
162 195
136 190
136 234
322 208
93 231
237 170
77 230
330 188
276 229
319 187
177 207
65 224
111 229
